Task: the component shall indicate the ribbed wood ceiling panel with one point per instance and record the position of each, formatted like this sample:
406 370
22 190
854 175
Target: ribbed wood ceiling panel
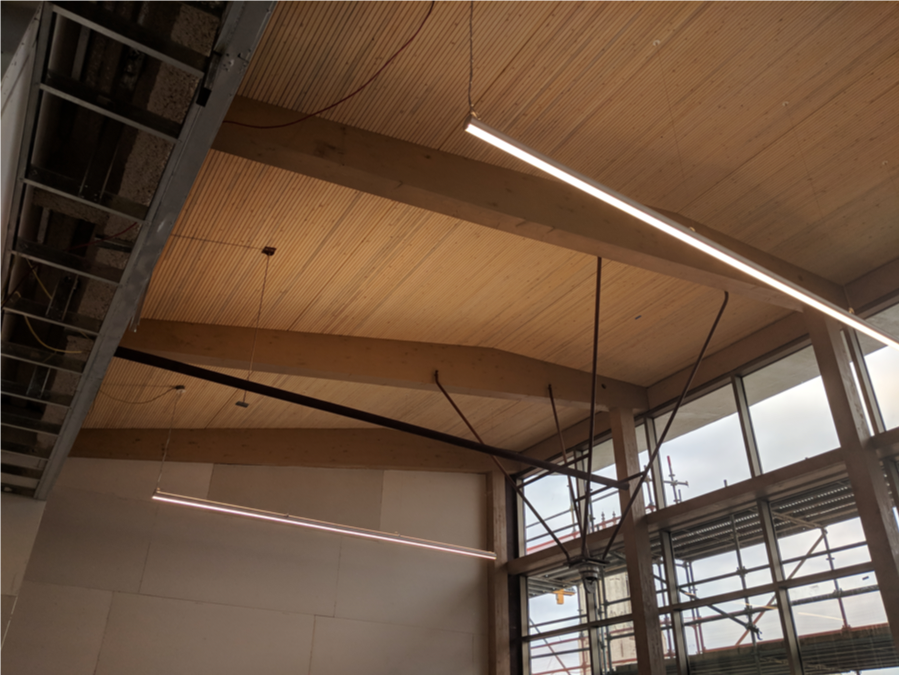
353 264
678 105
696 124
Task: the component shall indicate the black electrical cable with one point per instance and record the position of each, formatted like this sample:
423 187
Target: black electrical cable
348 96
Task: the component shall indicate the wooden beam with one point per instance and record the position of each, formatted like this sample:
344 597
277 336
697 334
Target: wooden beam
476 371
637 550
529 206
325 448
866 474
498 635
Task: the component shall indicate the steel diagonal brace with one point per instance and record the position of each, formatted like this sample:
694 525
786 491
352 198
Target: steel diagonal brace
353 413
655 453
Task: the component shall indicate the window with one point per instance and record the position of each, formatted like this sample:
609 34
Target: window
704 448
789 411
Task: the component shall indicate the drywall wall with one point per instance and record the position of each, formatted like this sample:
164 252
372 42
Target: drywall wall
117 583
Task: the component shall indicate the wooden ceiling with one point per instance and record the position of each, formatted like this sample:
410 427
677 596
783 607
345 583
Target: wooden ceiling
774 123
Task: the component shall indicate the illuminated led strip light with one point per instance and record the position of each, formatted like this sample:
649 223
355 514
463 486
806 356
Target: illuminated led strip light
287 519
685 234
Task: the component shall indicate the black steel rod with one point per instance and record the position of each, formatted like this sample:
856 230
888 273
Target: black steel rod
587 506
574 503
499 466
661 440
345 411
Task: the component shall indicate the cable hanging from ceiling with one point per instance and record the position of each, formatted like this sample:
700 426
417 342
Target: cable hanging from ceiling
351 94
268 252
168 439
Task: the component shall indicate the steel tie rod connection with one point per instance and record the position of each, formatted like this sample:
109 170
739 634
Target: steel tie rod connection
353 413
509 478
652 458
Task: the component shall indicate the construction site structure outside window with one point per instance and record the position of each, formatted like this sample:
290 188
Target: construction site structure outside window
722 567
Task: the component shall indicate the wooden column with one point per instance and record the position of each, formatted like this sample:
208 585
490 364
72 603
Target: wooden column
645 611
499 655
865 472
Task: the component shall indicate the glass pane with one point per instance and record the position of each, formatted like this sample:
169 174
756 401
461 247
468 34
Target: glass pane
549 494
560 654
721 556
883 366
735 636
842 626
789 411
819 530
553 604
704 448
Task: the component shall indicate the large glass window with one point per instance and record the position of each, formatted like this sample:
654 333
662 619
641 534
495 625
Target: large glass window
789 411
735 636
842 626
704 448
883 366
819 531
550 495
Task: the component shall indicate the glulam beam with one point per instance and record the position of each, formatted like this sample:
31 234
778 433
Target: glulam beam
475 371
503 199
322 448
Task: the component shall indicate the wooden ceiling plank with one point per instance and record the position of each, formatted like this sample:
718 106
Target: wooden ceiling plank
510 201
472 371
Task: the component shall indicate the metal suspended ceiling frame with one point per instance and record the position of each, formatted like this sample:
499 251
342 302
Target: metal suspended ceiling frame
241 25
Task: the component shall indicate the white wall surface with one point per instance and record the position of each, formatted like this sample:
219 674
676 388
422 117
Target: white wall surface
119 584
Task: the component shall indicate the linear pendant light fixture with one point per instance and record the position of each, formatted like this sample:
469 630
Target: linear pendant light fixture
287 519
673 228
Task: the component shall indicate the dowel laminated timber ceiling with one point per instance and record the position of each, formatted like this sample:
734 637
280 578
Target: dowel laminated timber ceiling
696 124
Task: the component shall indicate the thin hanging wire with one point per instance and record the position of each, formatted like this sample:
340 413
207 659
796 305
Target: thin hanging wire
470 55
258 317
808 174
165 450
886 167
658 45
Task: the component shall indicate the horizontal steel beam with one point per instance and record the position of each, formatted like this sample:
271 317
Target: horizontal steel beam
81 94
70 189
134 35
352 413
22 460
42 312
11 419
67 261
18 481
41 357
17 390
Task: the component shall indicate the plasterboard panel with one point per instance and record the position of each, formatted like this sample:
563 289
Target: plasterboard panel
21 519
135 479
442 506
388 583
56 629
149 635
212 557
92 540
384 649
347 497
